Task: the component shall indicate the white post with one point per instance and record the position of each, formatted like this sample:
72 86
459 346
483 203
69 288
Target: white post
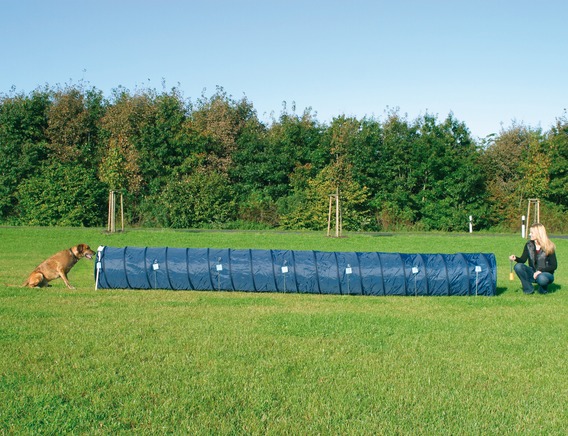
415 272
99 266
348 272
523 227
477 271
470 224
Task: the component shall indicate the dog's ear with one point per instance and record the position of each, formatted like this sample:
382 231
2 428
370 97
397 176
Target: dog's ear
80 248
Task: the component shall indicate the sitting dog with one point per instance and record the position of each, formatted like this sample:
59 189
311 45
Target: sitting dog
58 265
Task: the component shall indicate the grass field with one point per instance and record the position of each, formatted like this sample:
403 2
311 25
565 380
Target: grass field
101 362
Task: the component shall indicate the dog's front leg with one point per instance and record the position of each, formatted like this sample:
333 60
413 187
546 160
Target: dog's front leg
64 277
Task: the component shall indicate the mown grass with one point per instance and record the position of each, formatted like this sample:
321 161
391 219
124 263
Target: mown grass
85 361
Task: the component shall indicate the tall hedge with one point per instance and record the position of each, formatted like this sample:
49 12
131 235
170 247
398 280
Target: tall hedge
213 163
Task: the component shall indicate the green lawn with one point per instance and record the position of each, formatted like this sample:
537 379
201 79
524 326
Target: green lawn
111 361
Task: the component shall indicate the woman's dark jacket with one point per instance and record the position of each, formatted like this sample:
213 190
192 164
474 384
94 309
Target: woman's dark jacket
538 261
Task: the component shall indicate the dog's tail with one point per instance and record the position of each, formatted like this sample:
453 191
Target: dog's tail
12 285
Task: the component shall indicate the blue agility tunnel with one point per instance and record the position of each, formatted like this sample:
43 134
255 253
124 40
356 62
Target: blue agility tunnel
311 272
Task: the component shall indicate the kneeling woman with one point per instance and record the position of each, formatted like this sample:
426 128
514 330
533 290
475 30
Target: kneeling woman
541 254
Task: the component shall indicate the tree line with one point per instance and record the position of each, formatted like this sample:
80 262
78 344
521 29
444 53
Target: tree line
212 163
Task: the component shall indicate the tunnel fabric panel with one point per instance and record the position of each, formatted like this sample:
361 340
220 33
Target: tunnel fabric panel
327 272
241 270
198 269
371 273
416 279
306 272
262 271
437 275
134 267
313 272
157 268
483 277
458 274
393 273
219 268
177 268
349 273
285 275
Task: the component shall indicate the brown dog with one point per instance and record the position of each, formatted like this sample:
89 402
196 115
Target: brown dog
58 265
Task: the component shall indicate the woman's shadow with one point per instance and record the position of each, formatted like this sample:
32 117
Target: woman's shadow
552 288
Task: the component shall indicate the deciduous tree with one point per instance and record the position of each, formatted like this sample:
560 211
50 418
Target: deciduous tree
23 143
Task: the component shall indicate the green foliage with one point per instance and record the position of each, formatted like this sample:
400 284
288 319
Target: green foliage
554 216
448 186
392 162
557 147
258 209
62 195
23 144
73 126
535 168
119 166
162 137
201 198
266 160
502 162
219 122
311 208
158 148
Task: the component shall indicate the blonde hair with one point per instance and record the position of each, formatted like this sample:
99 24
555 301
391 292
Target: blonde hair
541 238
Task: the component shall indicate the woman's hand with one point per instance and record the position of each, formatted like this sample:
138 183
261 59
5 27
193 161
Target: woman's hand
512 257
535 275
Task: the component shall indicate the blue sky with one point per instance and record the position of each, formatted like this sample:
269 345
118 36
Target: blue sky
490 63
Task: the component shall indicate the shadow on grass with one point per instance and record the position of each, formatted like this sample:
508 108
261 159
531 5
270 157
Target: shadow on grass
552 288
500 290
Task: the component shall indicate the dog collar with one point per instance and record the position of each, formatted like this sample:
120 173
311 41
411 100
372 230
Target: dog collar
73 254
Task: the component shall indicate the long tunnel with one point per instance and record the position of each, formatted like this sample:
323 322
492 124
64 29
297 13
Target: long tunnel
311 272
